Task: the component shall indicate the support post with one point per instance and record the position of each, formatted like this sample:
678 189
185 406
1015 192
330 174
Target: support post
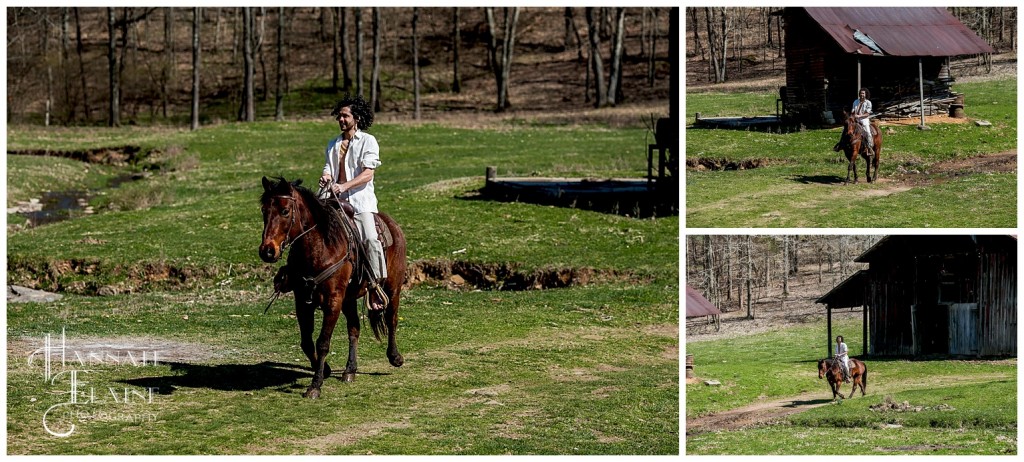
864 333
920 84
828 344
859 86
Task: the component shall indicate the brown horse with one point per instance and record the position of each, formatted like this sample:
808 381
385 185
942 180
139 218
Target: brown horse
829 368
852 144
323 271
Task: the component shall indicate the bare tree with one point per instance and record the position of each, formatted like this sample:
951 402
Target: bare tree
335 49
375 73
247 112
197 17
456 43
80 50
166 71
343 25
279 87
502 67
718 25
595 57
114 116
415 63
750 276
572 33
615 75
358 12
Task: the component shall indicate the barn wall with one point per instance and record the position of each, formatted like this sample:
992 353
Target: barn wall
998 304
805 64
890 295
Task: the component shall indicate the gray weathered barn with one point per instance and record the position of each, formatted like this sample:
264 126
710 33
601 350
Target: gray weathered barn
832 52
935 295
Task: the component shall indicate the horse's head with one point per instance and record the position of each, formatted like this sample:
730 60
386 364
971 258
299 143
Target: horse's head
822 368
280 217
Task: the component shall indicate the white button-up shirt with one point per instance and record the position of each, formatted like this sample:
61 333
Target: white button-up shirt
363 153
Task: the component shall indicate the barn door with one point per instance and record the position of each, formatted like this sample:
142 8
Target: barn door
963 329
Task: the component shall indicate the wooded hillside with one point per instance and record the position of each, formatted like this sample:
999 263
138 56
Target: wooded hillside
137 65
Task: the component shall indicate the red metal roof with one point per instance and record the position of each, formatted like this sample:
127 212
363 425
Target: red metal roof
697 305
900 31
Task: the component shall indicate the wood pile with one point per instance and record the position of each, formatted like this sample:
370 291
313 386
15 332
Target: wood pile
937 100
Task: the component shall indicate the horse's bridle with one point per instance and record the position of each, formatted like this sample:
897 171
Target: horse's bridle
286 244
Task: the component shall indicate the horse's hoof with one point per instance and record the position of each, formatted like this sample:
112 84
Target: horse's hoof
348 376
311 393
396 360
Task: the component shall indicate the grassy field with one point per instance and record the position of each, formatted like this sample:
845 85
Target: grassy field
800 184
589 369
982 418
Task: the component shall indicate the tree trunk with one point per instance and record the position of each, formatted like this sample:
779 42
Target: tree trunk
415 64
375 98
49 71
785 265
573 33
695 26
346 79
168 68
456 43
750 277
507 50
248 109
196 23
261 33
595 57
502 67
358 12
279 78
709 271
65 59
80 49
653 44
114 119
335 49
615 74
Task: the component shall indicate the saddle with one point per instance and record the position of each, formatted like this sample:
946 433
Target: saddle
383 232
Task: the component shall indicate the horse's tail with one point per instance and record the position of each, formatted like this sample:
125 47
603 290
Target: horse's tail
380 328
863 376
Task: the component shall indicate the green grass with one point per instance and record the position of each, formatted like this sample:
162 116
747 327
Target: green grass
982 395
562 372
207 217
584 370
801 184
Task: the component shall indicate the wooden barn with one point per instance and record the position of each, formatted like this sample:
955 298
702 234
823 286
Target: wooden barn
832 52
935 296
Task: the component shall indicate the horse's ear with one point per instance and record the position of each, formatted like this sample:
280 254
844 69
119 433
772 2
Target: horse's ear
297 182
267 184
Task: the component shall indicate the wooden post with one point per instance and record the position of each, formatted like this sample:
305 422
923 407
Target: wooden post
864 332
828 344
920 84
492 174
858 77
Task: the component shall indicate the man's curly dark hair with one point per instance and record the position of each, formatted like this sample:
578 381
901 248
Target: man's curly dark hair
360 110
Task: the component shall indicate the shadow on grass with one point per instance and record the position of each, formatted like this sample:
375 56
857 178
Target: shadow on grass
232 377
808 402
817 179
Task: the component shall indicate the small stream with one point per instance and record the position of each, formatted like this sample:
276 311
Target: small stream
55 206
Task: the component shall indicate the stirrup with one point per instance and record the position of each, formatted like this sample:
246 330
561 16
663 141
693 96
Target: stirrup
379 291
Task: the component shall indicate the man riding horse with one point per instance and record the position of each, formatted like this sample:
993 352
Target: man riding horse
862 113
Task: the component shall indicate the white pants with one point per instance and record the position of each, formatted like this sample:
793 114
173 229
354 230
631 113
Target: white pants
865 123
374 251
845 362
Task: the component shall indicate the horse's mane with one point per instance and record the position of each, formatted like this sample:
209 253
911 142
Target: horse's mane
329 221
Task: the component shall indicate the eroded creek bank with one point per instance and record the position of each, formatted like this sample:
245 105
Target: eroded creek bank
93 277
